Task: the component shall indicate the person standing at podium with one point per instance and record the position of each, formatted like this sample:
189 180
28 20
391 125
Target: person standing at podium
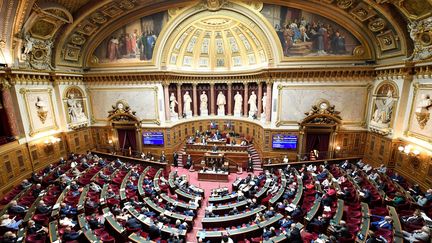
175 159
188 161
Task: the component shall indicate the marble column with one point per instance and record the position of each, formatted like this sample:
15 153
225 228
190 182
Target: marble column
229 99
212 99
245 99
195 99
9 107
167 102
260 95
179 101
269 101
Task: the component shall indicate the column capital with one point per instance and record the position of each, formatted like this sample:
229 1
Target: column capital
229 83
178 85
165 83
269 81
212 84
245 83
194 84
4 84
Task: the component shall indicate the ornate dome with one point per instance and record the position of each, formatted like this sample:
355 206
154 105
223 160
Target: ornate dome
217 42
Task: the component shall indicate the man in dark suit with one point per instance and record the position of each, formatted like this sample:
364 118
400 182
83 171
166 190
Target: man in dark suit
133 223
70 235
295 236
15 208
37 190
42 208
175 159
154 231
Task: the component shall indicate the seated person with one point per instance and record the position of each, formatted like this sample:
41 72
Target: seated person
375 239
268 233
66 221
42 208
341 230
366 168
384 222
33 228
9 223
37 190
285 159
94 222
398 199
15 208
133 223
25 184
9 237
421 235
154 231
95 187
397 178
91 204
382 169
67 209
69 235
131 186
286 222
416 218
163 157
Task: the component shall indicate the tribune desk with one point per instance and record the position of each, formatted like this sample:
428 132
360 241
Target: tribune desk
220 176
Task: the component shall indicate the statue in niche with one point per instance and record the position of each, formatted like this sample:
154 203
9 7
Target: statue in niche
187 100
75 109
422 110
173 103
41 108
384 109
220 102
252 104
264 103
238 100
204 101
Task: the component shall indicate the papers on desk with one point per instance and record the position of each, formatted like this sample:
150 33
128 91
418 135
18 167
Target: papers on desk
122 189
160 225
56 206
202 234
290 207
167 213
107 214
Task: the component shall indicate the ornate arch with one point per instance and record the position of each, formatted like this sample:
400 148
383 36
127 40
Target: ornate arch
385 86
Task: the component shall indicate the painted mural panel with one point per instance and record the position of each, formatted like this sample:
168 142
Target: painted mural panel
302 33
133 42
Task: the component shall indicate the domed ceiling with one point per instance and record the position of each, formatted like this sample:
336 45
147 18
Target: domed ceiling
217 43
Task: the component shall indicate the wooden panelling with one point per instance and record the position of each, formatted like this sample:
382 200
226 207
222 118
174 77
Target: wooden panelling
18 161
378 150
352 143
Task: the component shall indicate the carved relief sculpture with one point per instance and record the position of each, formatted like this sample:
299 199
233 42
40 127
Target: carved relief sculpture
264 104
421 34
422 110
38 52
322 113
383 111
42 110
121 111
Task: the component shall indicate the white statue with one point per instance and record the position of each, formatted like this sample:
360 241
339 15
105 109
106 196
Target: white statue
238 100
187 100
80 112
204 100
28 44
252 104
424 104
384 110
40 104
173 102
264 102
220 102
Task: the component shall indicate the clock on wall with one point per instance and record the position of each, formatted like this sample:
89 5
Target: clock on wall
323 105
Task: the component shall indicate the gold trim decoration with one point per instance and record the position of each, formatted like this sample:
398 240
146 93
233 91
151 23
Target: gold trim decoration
42 112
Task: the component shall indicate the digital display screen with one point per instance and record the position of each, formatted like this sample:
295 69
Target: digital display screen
281 141
153 138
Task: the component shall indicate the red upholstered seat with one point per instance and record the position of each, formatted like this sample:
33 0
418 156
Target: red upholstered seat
107 239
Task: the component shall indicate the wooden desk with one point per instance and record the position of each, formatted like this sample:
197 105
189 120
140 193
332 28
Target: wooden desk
212 176
173 216
32 210
339 211
182 205
141 182
222 209
89 234
229 220
236 154
138 238
364 227
81 201
52 229
123 186
281 190
155 164
225 199
314 209
103 194
112 224
397 227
